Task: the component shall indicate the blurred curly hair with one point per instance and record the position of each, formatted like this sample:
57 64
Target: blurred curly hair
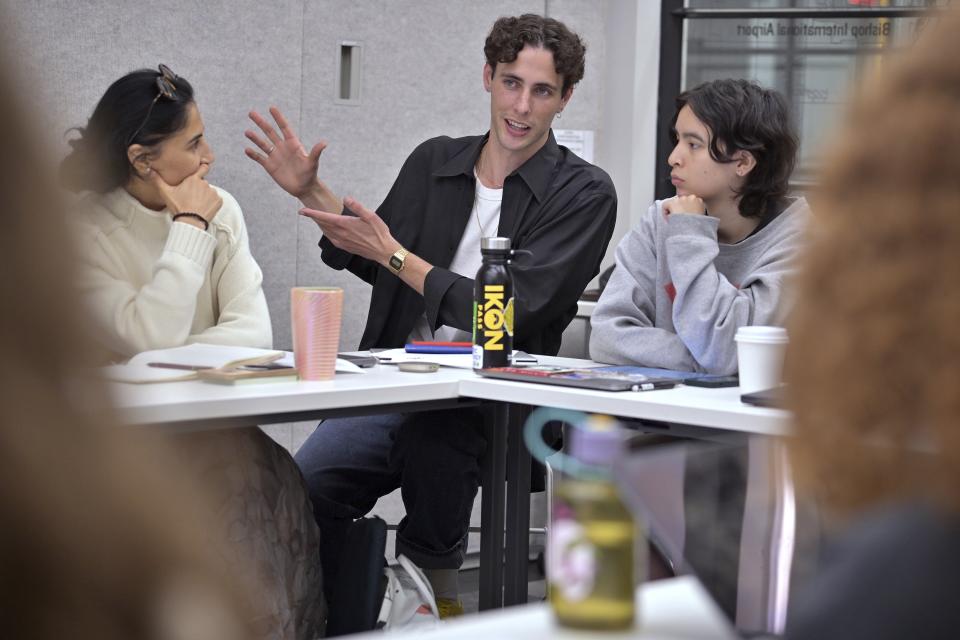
875 355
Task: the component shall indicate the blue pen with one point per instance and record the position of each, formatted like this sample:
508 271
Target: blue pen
436 348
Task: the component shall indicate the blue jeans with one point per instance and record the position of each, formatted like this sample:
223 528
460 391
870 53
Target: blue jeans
434 457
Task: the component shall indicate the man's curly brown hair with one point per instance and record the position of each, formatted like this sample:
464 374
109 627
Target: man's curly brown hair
510 35
874 363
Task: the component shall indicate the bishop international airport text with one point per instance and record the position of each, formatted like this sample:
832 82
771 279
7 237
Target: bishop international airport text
836 30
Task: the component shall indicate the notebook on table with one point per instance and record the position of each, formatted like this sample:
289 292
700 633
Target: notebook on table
185 362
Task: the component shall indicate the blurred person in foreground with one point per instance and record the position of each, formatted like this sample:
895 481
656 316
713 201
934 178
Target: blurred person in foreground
99 539
165 261
874 365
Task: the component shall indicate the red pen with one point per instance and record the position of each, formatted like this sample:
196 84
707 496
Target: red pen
430 343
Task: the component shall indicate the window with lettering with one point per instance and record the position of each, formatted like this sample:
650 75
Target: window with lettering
814 61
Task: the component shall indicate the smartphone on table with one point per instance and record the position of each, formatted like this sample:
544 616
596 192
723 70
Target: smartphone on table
361 360
712 382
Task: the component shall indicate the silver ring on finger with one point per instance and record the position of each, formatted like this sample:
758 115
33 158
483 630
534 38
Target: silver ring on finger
270 150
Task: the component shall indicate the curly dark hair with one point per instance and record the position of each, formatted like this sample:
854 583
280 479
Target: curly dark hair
743 116
510 35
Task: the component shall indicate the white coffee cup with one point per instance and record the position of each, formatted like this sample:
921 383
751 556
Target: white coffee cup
760 352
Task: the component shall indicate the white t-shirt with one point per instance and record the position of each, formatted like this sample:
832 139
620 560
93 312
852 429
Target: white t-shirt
484 222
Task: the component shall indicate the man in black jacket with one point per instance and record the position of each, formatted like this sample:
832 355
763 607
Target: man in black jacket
420 250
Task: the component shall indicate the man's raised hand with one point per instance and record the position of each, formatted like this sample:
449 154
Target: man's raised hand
283 156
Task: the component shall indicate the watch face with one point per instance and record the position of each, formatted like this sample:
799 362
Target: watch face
396 263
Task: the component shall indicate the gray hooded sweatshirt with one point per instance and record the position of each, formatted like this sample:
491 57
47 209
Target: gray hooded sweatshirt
677 296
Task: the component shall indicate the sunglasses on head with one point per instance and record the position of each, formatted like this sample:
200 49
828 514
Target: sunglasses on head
166 88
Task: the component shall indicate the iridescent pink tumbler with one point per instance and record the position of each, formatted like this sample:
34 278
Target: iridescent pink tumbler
315 314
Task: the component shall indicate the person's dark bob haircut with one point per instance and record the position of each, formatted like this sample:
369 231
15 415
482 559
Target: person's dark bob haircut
510 35
98 160
742 116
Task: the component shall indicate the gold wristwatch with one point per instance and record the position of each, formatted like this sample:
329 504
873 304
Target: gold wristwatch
397 260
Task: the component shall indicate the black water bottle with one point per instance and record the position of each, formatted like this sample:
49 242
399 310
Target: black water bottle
493 306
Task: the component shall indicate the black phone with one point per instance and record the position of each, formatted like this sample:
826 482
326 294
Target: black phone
713 382
364 362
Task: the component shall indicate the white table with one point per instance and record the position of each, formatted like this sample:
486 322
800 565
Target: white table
377 390
668 609
387 390
695 406
266 402
380 390
686 411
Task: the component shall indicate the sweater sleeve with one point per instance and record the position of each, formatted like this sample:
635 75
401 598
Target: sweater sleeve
243 317
160 313
622 324
708 308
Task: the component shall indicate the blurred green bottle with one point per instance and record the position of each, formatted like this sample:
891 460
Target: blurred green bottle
592 559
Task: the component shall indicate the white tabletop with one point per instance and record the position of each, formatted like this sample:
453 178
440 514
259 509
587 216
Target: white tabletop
172 402
676 608
195 401
715 408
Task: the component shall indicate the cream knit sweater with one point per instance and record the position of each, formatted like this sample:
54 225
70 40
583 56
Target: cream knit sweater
153 283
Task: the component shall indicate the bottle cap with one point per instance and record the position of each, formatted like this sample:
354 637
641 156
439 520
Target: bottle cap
495 244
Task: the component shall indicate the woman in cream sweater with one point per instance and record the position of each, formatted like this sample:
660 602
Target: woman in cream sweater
165 262
165 254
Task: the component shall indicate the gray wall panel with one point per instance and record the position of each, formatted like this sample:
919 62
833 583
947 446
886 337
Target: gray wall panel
421 77
586 19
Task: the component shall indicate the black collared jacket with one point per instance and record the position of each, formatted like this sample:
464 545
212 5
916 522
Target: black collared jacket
557 206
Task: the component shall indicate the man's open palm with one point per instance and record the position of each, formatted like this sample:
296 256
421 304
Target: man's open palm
283 155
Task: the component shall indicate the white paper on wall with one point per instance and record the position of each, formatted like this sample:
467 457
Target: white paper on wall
580 141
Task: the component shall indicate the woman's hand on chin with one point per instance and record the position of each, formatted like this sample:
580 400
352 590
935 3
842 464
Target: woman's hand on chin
193 195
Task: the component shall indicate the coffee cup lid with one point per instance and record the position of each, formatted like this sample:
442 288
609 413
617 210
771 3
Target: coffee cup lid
775 335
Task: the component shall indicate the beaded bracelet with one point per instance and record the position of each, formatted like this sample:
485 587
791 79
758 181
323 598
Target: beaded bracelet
190 214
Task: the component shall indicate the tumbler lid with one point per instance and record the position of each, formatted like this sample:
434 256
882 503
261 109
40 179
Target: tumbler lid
597 442
495 244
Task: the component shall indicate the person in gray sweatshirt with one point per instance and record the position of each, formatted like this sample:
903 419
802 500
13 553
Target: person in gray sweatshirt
718 255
